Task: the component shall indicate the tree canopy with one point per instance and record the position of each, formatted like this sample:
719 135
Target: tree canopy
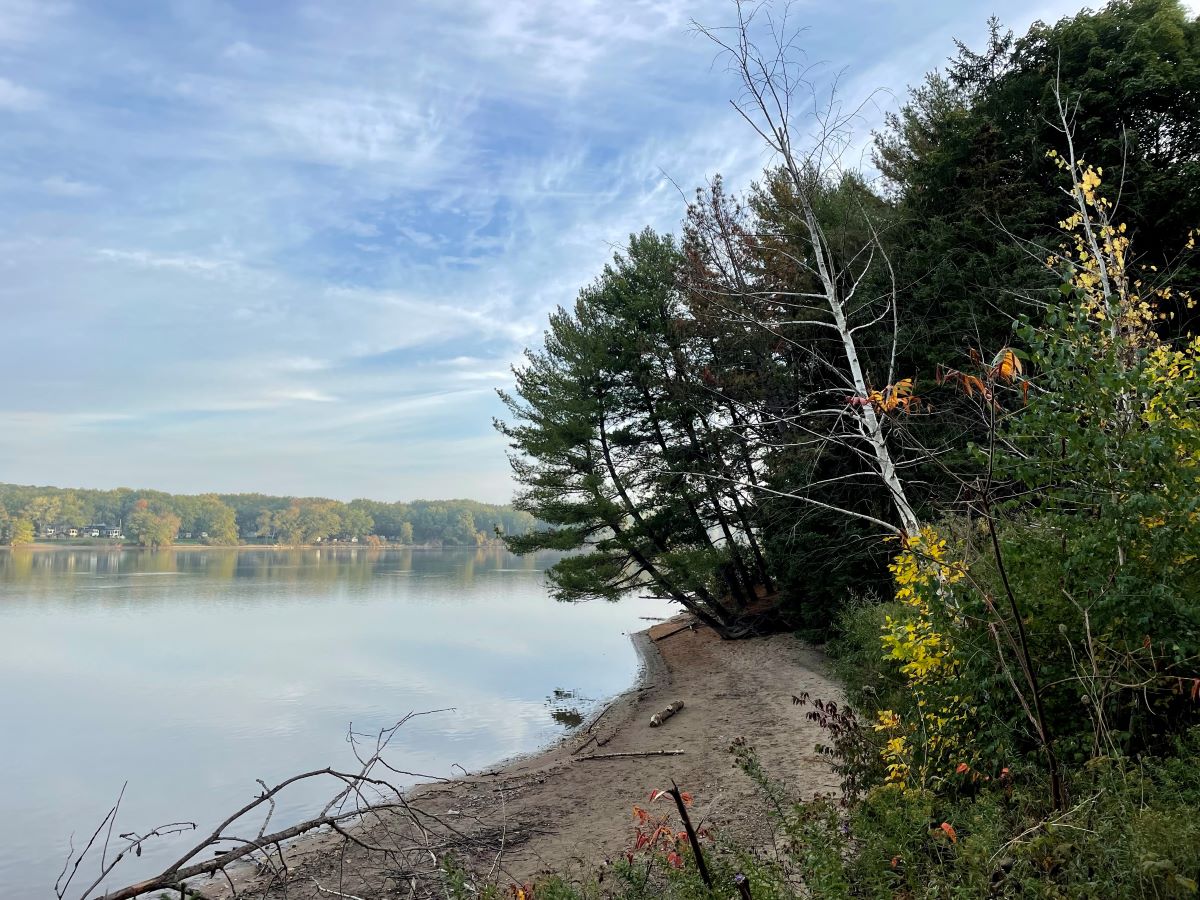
701 423
233 518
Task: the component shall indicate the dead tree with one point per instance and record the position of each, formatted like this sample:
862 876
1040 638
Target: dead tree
781 102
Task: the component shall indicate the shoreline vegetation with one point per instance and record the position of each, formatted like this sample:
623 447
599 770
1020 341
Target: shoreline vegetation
32 515
944 411
195 545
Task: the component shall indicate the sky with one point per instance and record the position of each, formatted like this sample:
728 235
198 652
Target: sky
295 247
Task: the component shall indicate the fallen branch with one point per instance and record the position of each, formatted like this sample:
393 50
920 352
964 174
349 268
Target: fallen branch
332 893
582 746
173 877
360 796
603 713
631 755
690 626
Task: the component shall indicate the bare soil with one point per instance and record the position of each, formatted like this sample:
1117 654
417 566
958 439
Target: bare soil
561 810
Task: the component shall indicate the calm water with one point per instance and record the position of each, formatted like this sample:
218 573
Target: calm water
191 673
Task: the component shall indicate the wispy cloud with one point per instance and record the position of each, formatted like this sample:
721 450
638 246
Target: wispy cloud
241 50
304 395
186 263
24 20
327 233
17 97
61 186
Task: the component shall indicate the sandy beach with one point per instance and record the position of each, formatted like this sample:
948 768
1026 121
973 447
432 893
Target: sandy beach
569 807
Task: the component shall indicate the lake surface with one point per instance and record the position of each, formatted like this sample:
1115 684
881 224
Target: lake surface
190 673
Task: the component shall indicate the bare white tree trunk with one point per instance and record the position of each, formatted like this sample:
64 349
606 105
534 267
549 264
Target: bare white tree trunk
771 82
869 423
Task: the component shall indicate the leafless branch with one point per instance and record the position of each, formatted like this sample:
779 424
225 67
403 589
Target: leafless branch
366 812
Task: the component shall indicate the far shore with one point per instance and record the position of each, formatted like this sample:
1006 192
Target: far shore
563 811
100 544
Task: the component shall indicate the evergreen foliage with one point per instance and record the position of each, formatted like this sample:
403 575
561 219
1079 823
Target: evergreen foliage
616 442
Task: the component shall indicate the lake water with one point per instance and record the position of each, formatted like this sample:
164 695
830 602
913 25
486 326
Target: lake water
190 673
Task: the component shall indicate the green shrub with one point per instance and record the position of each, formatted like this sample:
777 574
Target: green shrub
1132 831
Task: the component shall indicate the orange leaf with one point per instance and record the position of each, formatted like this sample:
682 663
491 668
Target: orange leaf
1006 365
950 832
894 396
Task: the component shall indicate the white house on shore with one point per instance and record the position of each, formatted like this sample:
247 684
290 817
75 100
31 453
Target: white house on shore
88 531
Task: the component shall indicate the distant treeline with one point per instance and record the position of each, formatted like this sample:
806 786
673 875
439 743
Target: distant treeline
153 518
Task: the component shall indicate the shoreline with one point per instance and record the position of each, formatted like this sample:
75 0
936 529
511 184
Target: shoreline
567 806
42 546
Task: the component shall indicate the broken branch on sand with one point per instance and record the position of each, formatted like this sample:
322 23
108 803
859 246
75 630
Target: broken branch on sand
690 626
405 840
631 755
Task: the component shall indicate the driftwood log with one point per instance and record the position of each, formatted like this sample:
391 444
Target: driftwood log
659 717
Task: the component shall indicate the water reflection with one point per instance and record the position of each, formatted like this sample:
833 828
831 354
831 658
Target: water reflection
267 562
566 707
192 672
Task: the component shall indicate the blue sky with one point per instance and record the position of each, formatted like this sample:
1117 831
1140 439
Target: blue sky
294 247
